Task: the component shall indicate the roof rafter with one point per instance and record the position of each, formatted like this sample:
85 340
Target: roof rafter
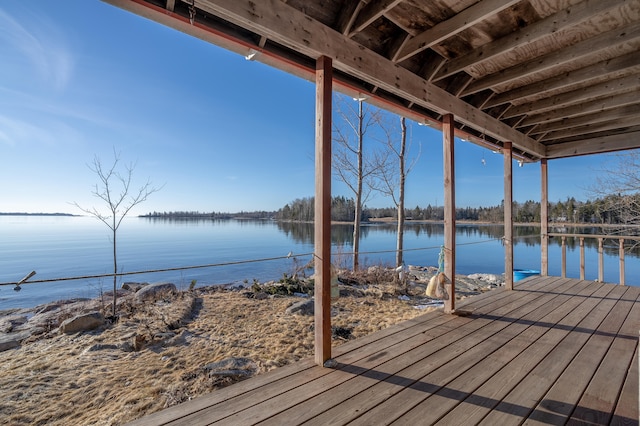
596 105
600 116
544 28
604 88
594 145
458 23
628 121
372 11
348 16
558 57
629 62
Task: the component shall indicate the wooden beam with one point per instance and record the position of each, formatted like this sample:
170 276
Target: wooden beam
596 145
629 63
563 257
322 224
558 57
594 106
544 218
565 18
601 260
448 133
429 68
507 151
605 88
348 15
405 26
290 27
372 11
595 127
621 258
458 23
599 117
582 263
395 45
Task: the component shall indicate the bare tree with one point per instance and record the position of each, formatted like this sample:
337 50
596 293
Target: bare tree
394 179
618 185
350 164
114 188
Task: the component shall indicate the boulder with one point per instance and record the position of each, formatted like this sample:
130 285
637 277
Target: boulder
232 367
488 278
261 295
100 347
155 291
10 322
47 307
82 322
12 340
305 307
133 286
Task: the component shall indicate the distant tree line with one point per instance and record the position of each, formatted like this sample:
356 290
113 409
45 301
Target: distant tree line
599 211
183 215
303 210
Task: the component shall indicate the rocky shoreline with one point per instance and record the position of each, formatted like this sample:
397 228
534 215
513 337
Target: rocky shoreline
75 315
68 364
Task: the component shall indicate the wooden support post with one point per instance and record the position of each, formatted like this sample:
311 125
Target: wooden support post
621 253
448 128
508 215
544 219
601 260
322 224
563 271
582 258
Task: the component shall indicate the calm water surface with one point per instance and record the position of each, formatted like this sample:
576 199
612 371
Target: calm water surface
60 247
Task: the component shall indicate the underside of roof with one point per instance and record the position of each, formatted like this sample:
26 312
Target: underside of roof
557 78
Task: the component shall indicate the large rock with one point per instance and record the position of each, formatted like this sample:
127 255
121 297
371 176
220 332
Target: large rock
133 286
12 340
83 322
156 291
10 322
489 278
306 307
232 367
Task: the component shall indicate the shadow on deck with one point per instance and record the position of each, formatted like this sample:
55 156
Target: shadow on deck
552 351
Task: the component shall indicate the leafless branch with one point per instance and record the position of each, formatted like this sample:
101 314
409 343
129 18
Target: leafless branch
114 189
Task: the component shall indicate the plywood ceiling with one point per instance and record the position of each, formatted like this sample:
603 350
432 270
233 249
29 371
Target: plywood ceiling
557 78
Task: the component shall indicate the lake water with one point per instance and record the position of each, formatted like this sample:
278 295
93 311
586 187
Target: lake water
66 247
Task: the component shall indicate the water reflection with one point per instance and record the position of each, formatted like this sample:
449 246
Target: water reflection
342 234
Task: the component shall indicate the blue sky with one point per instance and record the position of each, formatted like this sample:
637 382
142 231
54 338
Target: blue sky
218 132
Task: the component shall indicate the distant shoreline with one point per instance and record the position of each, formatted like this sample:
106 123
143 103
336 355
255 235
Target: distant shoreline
385 220
36 214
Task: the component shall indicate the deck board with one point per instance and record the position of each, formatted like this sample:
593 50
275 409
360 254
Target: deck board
538 363
599 400
553 350
530 390
395 369
494 354
373 398
628 400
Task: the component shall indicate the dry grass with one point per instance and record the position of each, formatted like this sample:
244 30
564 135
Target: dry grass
133 368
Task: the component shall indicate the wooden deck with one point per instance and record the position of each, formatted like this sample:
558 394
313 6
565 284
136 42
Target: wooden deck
553 351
